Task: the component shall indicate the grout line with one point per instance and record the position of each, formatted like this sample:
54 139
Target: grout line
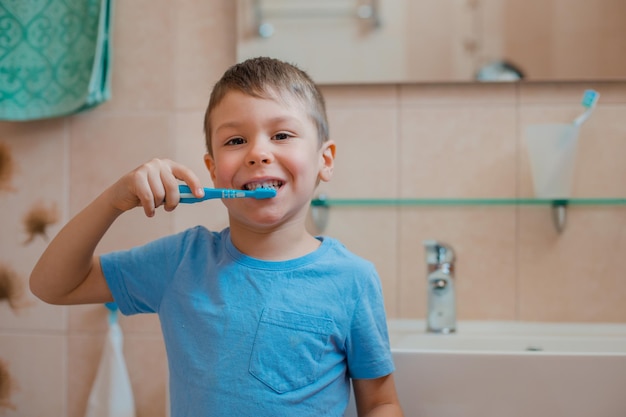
397 210
66 212
65 364
518 208
67 174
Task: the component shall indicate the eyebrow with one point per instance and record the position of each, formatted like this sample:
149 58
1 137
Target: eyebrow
237 124
228 125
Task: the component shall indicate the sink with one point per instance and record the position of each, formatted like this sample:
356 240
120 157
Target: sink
513 369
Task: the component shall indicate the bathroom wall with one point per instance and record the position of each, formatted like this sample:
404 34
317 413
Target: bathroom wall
393 141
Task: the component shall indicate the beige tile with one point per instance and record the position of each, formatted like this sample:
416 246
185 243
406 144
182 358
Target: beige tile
106 146
32 314
37 367
91 318
143 51
456 152
190 148
204 48
38 151
483 240
145 361
103 149
366 157
600 169
571 93
147 367
574 40
576 275
458 94
352 96
83 356
189 142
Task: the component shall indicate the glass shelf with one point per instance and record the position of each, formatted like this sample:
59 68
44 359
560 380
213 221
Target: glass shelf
333 202
322 204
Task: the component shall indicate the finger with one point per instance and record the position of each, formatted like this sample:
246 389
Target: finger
142 191
172 194
183 173
156 187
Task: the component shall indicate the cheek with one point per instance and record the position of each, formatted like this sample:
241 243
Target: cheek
222 174
306 166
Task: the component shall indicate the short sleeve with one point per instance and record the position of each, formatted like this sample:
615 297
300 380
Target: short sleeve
368 352
138 277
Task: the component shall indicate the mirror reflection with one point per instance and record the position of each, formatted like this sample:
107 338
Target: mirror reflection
382 41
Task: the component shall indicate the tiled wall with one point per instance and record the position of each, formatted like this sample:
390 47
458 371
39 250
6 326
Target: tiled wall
393 141
466 141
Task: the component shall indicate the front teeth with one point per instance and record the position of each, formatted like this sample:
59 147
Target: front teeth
275 185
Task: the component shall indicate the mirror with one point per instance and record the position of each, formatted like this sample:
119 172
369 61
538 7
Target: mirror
402 41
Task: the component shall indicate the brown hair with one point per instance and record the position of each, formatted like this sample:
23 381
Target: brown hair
270 78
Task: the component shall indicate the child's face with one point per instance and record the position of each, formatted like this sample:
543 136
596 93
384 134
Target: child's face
263 142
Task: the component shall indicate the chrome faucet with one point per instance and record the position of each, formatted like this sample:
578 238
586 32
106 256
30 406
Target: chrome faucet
441 316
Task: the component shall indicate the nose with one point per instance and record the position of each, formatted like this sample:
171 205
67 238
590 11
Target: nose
259 154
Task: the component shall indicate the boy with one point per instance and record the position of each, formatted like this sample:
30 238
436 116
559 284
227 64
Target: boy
262 318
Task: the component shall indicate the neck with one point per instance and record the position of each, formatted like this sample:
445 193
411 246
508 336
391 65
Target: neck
273 245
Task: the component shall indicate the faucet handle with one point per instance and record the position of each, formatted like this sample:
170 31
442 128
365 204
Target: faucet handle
438 253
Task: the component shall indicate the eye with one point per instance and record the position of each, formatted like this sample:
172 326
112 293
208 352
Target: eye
282 136
235 141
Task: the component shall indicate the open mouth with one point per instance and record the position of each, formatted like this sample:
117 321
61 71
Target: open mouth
273 184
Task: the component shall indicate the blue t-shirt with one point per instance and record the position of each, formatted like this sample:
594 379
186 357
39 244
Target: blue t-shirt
247 337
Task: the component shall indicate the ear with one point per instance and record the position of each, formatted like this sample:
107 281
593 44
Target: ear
210 165
327 160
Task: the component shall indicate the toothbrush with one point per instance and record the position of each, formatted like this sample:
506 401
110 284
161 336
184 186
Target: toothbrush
186 196
590 98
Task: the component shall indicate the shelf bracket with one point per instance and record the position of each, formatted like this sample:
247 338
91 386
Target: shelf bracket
319 213
559 214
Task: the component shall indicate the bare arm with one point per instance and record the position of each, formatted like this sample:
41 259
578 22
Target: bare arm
377 397
68 272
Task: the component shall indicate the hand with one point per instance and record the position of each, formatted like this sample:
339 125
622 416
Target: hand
153 184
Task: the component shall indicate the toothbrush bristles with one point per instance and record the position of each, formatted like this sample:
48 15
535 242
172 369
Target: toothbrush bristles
590 98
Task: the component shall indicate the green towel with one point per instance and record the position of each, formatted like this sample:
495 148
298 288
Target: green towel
55 57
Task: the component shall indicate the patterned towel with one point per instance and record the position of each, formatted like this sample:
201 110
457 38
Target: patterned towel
55 57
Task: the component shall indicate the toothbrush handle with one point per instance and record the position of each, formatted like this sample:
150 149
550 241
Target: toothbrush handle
187 197
227 193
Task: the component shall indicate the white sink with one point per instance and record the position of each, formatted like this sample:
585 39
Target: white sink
512 369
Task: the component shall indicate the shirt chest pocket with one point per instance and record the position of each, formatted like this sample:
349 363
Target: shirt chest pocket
287 349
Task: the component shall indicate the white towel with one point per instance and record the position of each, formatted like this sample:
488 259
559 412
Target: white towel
111 394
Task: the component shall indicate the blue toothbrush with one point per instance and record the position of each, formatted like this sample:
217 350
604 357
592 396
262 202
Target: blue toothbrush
590 98
186 196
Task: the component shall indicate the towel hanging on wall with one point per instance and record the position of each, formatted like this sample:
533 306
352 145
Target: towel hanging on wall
55 57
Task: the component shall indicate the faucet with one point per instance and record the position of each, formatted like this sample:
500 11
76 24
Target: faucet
441 316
